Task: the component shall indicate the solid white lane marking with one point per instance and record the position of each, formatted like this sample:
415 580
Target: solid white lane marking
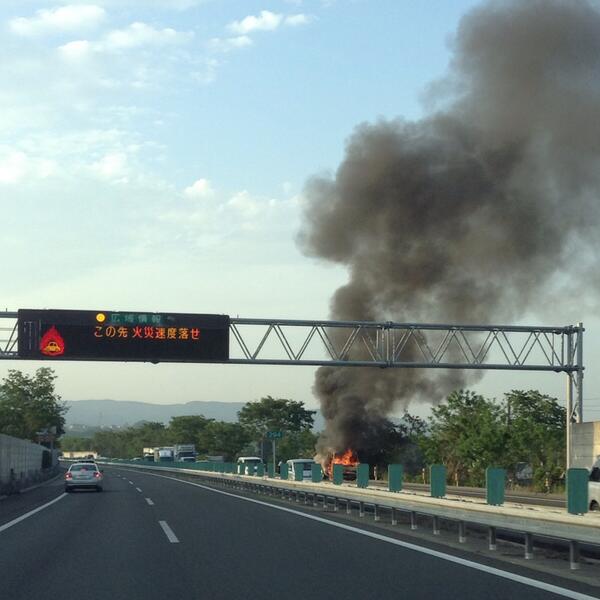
150 503
168 532
138 489
32 512
542 585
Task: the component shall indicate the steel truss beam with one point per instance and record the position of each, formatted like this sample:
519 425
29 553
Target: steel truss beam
395 345
388 344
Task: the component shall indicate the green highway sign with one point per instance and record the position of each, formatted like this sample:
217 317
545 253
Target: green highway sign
274 435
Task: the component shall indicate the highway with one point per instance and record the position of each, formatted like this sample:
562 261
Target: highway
153 537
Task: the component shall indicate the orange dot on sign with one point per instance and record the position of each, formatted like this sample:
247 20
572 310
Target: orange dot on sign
100 317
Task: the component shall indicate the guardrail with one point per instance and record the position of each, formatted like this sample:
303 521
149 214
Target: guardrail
547 523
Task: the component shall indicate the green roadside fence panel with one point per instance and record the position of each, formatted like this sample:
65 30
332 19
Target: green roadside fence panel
577 491
438 481
395 475
260 470
283 473
271 470
362 475
338 474
298 473
316 472
494 484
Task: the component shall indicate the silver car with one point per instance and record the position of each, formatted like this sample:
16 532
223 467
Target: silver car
83 475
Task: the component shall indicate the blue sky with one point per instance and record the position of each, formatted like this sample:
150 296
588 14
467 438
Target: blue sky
153 155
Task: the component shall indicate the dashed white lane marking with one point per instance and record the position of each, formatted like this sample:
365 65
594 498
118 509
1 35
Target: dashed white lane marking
535 583
150 503
138 489
131 482
168 532
31 512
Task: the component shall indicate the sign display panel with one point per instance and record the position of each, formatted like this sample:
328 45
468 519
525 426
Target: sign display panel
109 335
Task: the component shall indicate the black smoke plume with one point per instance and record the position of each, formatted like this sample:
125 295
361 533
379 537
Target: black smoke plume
469 214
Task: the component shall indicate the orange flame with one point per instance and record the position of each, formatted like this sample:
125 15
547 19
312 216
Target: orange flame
347 458
52 343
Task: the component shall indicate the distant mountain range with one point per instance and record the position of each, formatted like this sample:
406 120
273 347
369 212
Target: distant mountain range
119 413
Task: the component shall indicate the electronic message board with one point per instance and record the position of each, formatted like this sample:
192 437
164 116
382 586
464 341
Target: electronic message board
127 336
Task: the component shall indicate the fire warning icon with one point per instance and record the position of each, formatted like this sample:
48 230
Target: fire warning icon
52 343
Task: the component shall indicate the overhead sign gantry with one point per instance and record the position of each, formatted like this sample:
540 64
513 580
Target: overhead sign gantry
173 337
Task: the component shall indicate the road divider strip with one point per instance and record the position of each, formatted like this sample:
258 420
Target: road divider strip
31 512
528 581
169 532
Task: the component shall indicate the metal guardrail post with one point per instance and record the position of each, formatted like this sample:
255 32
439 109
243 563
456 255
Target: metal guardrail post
492 538
438 481
494 483
338 474
395 475
574 555
436 525
394 518
413 520
528 546
577 491
462 532
283 471
361 509
376 516
362 475
316 473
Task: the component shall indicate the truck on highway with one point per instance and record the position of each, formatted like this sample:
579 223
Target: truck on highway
250 461
148 454
185 452
164 454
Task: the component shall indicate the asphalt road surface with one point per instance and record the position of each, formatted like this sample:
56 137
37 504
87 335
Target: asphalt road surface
149 537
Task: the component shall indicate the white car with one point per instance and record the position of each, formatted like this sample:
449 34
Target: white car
83 475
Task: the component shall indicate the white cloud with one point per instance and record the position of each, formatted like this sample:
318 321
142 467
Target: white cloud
111 166
75 51
72 17
299 19
228 44
13 167
266 21
140 34
199 189
16 165
246 205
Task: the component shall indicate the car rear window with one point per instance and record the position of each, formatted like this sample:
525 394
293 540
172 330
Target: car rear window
83 467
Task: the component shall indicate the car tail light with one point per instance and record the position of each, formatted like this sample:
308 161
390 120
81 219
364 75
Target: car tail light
68 476
97 474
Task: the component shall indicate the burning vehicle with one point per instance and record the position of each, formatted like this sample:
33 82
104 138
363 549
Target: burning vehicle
348 459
